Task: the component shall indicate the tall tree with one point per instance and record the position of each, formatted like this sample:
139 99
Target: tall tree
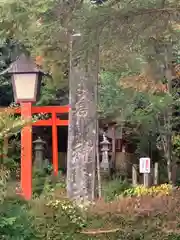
8 51
124 28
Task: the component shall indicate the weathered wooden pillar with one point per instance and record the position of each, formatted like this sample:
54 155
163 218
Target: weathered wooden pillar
82 120
156 173
146 179
113 147
134 174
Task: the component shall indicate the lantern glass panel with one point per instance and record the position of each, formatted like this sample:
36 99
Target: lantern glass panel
25 86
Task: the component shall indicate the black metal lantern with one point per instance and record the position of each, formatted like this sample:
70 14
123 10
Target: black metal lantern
26 79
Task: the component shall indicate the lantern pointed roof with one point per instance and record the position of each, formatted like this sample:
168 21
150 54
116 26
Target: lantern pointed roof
23 64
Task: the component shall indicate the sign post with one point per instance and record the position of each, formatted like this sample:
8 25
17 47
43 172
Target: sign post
145 168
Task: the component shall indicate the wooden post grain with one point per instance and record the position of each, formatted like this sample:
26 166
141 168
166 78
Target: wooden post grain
156 174
146 179
134 174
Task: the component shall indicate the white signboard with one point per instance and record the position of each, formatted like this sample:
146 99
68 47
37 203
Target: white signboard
144 165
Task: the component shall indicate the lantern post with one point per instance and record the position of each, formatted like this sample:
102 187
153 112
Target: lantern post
39 147
105 167
26 82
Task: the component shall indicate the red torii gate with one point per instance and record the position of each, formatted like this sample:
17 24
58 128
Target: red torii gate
27 110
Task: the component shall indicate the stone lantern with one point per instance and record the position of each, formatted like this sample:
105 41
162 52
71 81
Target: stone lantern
39 147
105 166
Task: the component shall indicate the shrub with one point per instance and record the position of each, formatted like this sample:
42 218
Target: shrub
57 219
38 182
15 221
45 183
140 190
11 165
146 217
4 177
114 188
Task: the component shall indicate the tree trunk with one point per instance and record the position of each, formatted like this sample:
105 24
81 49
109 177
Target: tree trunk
168 154
82 121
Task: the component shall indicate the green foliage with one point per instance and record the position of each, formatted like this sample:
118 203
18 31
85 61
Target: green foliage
38 182
176 146
40 30
15 222
44 183
9 124
129 33
11 165
43 27
138 114
8 51
14 148
4 177
110 95
59 219
112 189
41 181
173 236
52 217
